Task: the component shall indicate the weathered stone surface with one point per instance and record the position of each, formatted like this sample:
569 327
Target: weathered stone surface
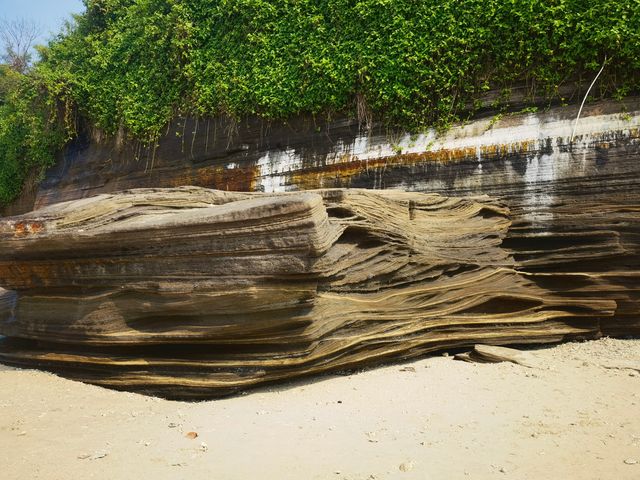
491 354
199 292
510 155
191 292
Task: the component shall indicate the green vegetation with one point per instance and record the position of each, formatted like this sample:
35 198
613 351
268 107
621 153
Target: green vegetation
133 64
30 133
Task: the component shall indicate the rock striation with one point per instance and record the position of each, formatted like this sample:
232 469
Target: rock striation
193 293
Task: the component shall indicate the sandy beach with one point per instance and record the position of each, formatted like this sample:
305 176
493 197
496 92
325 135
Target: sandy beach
578 417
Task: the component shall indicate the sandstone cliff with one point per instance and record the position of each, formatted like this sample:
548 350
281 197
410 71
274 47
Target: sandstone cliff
191 292
526 233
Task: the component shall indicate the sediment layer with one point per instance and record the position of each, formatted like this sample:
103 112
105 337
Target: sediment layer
194 293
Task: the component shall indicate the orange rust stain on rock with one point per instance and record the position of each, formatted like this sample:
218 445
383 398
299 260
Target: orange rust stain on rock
22 229
19 229
50 273
340 173
35 227
21 277
240 179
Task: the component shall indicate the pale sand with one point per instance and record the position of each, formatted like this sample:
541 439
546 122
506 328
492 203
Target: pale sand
434 418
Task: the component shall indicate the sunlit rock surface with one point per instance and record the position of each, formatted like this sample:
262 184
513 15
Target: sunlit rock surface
194 293
528 158
529 232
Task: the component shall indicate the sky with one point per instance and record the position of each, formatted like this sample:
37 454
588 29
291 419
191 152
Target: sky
49 14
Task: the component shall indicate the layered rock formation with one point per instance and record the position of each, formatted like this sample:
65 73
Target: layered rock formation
191 292
524 157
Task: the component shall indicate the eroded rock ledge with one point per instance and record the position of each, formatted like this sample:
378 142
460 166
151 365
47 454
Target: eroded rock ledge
192 293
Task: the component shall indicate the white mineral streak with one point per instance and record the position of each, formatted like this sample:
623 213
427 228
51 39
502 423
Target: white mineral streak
273 167
518 133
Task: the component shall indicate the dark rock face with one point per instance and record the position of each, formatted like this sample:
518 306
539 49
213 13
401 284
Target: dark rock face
514 157
192 292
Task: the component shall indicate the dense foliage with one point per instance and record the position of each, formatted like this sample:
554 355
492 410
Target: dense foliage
30 133
134 64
